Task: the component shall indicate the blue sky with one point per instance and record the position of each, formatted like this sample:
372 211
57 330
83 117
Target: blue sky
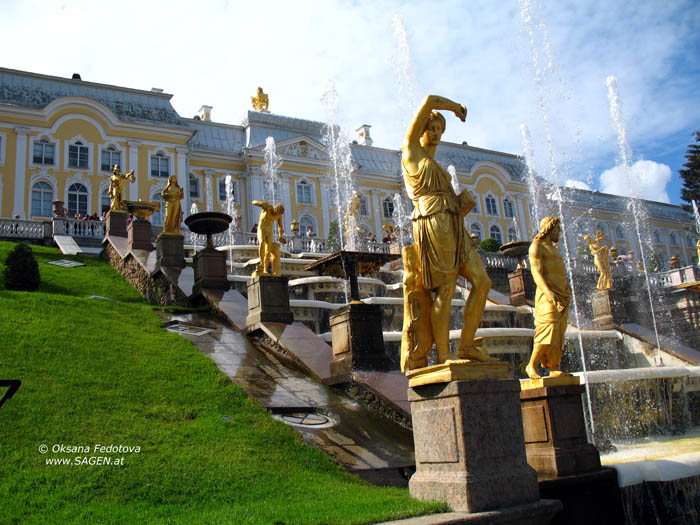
476 52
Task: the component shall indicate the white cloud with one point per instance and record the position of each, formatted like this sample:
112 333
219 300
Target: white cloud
571 183
645 179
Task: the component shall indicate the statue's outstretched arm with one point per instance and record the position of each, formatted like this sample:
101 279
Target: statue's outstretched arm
420 120
264 205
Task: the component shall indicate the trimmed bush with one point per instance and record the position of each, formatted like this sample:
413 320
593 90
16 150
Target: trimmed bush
489 245
21 269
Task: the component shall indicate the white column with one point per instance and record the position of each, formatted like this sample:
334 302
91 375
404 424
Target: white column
324 209
20 172
182 175
133 189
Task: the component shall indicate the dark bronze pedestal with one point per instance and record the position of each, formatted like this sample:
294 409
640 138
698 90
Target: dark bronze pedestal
602 312
170 250
210 270
522 287
555 431
139 235
268 300
115 224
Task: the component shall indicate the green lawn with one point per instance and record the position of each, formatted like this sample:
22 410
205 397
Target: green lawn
105 372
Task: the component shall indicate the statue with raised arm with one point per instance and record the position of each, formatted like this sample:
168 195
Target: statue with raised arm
261 102
172 194
116 189
552 300
600 259
444 250
269 250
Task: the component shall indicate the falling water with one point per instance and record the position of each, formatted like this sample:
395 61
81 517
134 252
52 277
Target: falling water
209 192
405 76
532 182
453 178
400 219
272 164
528 19
193 236
697 219
232 211
637 211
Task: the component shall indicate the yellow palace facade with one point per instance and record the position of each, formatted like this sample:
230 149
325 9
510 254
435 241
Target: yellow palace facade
59 138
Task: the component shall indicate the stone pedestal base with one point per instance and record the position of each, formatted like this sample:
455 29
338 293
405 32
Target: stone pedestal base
358 343
458 369
469 445
268 300
555 431
209 270
522 287
139 235
602 312
115 224
170 250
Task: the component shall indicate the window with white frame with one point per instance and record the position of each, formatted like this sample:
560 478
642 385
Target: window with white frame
105 201
689 242
495 233
304 192
475 229
160 165
306 222
44 152
491 207
42 197
657 236
272 192
157 217
388 208
77 199
110 157
508 208
620 233
363 205
78 155
194 187
222 190
512 235
673 238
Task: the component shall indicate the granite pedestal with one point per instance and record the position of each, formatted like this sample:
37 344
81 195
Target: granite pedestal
522 287
268 300
209 270
469 445
139 235
170 250
115 224
555 431
602 312
358 343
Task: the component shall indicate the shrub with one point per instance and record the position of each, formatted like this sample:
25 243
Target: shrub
333 237
489 245
21 269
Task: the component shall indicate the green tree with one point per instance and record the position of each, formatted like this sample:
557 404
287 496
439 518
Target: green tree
333 237
21 269
489 245
691 173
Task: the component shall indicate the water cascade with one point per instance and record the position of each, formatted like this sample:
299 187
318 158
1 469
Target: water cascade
405 76
400 220
193 236
272 164
233 212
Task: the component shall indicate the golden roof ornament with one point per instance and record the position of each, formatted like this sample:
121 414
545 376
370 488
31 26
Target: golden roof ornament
261 101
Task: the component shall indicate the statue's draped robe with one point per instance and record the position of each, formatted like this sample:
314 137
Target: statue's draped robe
550 324
437 227
173 211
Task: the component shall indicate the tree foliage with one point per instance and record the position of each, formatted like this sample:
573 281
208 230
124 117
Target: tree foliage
489 245
333 237
21 269
691 173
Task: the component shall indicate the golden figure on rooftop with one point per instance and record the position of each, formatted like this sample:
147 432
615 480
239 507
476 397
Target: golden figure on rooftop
269 250
600 259
172 195
552 300
116 189
261 101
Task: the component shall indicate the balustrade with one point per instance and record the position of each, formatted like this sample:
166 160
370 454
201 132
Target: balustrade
21 229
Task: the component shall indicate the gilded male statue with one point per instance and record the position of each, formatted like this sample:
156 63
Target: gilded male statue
172 194
552 299
116 188
267 248
600 259
444 248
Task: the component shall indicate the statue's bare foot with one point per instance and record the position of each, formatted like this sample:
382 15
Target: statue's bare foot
473 352
558 373
531 372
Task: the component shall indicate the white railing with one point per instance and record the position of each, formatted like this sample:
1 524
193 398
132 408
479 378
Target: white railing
496 260
21 229
78 228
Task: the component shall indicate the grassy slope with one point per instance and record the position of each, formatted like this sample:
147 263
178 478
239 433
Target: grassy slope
105 372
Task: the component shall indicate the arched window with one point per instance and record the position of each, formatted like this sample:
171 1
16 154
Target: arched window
363 205
306 222
476 230
491 207
304 195
194 187
619 233
512 235
157 217
495 233
78 155
77 199
388 208
673 238
110 158
508 208
105 201
160 165
42 196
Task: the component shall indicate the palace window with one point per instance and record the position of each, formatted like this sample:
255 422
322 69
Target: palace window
42 196
43 152
620 233
475 230
304 192
105 201
689 242
657 236
508 208
512 235
491 207
78 155
306 222
160 166
363 205
110 158
495 233
388 208
222 190
673 238
157 217
194 187
77 199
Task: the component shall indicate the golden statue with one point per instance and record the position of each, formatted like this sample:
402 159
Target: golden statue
475 241
351 215
443 249
389 231
552 300
697 248
294 227
600 259
261 101
268 249
172 194
116 188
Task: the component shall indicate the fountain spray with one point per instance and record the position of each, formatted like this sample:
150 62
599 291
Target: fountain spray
272 164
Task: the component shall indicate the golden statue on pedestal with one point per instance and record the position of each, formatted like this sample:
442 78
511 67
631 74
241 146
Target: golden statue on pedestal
116 189
443 249
269 250
600 259
172 195
261 101
552 300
